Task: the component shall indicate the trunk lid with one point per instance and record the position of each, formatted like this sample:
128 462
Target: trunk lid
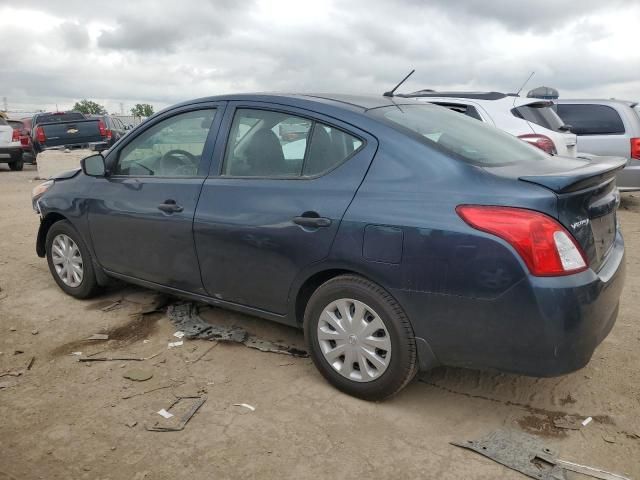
5 134
587 197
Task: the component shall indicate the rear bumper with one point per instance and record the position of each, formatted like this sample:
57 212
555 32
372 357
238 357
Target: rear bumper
9 154
540 327
628 179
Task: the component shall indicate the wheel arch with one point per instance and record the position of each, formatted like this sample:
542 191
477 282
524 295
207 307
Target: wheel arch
46 224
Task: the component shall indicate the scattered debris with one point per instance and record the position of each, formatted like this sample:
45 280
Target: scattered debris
75 353
609 439
175 344
12 329
196 403
131 424
8 383
178 334
526 454
113 306
204 354
127 397
138 375
115 359
98 336
568 422
185 317
18 352
34 332
587 421
165 414
245 405
267 346
30 363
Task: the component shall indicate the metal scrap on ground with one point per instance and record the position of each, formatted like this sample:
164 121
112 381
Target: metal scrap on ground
527 455
172 425
185 317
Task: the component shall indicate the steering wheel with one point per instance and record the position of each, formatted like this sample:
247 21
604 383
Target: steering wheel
178 162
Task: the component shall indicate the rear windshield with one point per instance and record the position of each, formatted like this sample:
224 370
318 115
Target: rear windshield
472 141
591 119
540 114
59 117
16 124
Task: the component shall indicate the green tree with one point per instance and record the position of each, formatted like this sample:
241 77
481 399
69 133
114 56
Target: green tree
89 107
142 110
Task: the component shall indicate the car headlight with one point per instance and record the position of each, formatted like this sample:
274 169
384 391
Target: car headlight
39 190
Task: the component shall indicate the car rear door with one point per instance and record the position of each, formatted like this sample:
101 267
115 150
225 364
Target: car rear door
141 213
274 200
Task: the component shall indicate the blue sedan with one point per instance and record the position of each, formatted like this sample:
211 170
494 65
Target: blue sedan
399 235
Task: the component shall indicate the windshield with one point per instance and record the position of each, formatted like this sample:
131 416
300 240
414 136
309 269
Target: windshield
471 140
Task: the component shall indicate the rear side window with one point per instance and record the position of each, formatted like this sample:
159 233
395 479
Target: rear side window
59 117
589 119
469 140
270 144
468 110
540 114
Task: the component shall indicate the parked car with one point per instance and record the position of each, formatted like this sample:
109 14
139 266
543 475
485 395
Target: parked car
607 127
530 119
115 129
404 235
10 148
66 129
25 138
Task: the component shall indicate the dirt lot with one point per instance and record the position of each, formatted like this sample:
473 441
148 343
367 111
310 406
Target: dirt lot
64 419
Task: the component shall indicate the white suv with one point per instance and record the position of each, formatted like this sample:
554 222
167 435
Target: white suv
10 149
530 119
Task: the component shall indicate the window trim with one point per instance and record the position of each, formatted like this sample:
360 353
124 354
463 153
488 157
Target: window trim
592 104
114 156
284 110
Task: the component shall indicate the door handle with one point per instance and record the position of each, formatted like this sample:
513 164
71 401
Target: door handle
312 222
169 206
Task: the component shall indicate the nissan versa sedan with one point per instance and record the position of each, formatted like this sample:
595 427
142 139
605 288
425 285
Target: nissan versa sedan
399 235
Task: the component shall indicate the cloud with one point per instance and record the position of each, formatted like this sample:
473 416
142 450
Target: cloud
162 52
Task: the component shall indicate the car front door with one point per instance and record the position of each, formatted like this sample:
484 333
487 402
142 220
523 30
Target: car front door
274 200
141 214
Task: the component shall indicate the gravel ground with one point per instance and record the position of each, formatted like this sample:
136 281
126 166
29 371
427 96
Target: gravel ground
64 419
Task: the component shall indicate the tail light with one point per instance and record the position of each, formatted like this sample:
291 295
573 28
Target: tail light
635 148
40 136
15 136
109 134
24 140
541 141
102 128
546 247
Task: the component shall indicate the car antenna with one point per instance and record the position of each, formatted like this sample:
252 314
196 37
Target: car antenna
390 93
525 83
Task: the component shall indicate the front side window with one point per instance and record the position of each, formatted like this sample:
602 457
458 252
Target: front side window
589 119
171 148
271 144
472 141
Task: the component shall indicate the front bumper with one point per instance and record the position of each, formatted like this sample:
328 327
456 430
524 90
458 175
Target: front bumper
628 179
542 326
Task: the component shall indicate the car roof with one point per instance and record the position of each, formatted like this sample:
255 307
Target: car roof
360 103
608 101
473 95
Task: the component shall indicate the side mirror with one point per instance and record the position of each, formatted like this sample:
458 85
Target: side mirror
93 165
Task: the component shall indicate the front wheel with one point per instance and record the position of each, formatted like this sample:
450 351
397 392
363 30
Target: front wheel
70 261
360 338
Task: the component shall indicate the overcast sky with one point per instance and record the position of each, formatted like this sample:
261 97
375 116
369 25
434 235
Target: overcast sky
164 51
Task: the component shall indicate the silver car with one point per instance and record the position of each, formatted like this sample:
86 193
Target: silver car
607 127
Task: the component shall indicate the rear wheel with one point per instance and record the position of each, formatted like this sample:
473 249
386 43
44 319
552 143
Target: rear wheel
70 261
17 163
359 338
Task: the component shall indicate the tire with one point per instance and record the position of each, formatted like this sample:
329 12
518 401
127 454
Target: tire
87 286
17 164
393 369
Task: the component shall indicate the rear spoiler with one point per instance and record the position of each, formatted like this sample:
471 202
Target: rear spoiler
600 170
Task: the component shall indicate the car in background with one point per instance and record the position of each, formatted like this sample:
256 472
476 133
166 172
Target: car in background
402 237
10 147
607 127
24 132
67 130
530 119
115 128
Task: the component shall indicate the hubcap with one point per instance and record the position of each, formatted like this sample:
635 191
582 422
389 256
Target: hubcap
354 340
67 260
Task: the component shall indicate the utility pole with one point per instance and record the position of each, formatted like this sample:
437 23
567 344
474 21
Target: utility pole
4 104
121 108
